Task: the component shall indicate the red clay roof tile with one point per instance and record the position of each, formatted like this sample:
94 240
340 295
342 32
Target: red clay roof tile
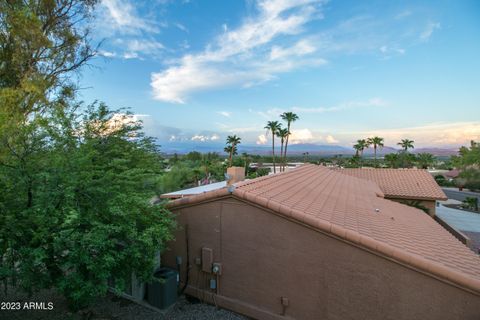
353 209
400 183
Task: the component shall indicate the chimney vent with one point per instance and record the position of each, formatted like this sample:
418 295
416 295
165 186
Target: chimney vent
235 174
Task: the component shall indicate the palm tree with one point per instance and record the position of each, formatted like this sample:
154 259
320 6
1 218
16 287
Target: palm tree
246 161
289 117
283 135
425 159
357 148
273 127
231 150
406 144
376 142
362 145
232 141
305 156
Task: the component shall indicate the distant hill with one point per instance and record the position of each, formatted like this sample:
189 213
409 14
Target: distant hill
293 149
438 151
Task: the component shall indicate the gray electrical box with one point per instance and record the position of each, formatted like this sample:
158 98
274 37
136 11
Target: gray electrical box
162 294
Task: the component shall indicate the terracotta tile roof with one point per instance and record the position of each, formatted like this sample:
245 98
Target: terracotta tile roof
401 183
354 209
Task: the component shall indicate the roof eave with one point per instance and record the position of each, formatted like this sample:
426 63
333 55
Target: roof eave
395 196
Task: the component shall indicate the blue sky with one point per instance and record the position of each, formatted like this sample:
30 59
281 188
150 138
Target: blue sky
201 70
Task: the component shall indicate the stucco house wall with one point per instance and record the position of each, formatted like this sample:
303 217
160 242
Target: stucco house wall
266 257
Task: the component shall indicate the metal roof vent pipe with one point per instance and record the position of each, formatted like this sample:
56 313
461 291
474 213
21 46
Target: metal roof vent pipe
234 175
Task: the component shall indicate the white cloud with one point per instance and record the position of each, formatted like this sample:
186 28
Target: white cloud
120 16
270 114
301 136
373 102
301 48
225 113
330 139
237 56
137 47
181 27
428 31
403 14
107 54
434 134
199 138
262 139
130 55
204 138
128 33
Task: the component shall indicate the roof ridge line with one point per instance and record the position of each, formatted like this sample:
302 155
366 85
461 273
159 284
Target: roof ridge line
270 176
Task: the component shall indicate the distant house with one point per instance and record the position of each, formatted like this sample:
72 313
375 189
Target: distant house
314 243
410 186
452 174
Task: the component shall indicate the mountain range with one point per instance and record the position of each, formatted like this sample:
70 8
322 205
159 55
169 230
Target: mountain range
294 149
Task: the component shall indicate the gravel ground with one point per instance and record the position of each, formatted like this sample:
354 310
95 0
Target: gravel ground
110 307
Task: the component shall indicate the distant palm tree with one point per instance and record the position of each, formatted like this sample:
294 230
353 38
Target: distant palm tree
362 145
232 141
377 142
425 159
305 156
406 144
289 117
231 150
283 135
273 127
246 161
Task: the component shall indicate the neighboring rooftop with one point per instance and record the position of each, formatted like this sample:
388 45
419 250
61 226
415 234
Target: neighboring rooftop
354 209
401 183
194 191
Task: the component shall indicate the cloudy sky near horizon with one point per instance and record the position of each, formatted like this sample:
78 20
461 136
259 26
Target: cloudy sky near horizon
197 70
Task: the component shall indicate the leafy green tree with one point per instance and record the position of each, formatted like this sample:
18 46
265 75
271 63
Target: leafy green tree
441 181
406 159
193 156
376 142
406 144
75 205
467 156
392 160
468 162
42 43
82 213
425 160
273 127
289 117
471 203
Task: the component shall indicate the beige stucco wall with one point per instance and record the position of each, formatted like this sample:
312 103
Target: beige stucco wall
265 257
